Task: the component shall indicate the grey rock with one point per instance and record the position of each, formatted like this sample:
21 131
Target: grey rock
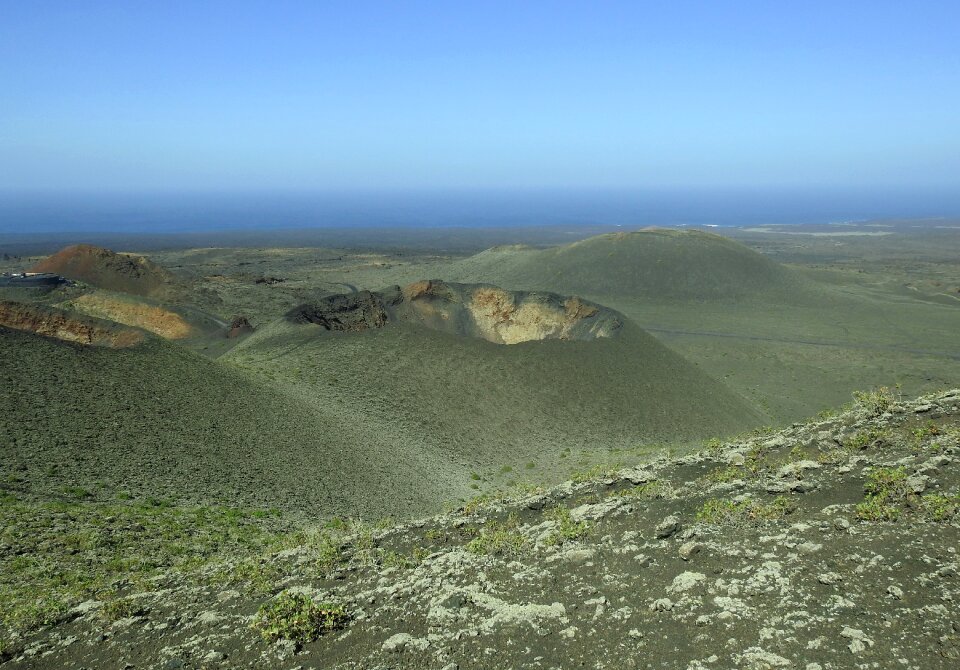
689 550
736 458
686 581
637 475
917 483
578 556
662 605
397 643
668 527
858 640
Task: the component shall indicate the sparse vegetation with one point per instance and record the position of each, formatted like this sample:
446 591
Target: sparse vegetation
654 490
255 575
597 472
328 551
67 552
66 538
726 474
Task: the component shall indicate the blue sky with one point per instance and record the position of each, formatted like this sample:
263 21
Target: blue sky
415 95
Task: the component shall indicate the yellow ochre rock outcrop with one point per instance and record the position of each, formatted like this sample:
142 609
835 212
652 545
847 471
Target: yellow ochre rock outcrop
64 326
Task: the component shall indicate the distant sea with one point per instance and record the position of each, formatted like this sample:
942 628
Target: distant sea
134 213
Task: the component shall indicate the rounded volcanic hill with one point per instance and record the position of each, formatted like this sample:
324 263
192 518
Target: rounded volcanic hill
655 264
455 376
103 268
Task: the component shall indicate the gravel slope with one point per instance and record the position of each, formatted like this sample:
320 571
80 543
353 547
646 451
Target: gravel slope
827 545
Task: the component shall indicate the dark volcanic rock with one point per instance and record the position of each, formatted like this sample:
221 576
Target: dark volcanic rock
239 326
350 311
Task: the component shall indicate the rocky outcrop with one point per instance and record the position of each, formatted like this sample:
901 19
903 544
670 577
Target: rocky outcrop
350 312
471 310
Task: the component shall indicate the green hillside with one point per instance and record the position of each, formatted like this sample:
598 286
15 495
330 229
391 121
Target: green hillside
158 420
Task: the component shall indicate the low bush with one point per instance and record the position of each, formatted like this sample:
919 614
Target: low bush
296 617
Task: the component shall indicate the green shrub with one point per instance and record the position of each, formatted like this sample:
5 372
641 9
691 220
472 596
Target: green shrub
875 401
6 650
714 446
886 493
866 438
716 511
296 617
720 511
921 435
833 456
329 553
887 482
121 608
877 508
926 431
363 545
498 538
567 528
940 507
654 490
724 475
393 559
594 473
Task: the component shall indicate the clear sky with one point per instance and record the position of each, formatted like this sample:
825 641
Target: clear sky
480 94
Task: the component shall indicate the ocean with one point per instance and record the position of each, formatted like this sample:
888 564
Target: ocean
170 213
